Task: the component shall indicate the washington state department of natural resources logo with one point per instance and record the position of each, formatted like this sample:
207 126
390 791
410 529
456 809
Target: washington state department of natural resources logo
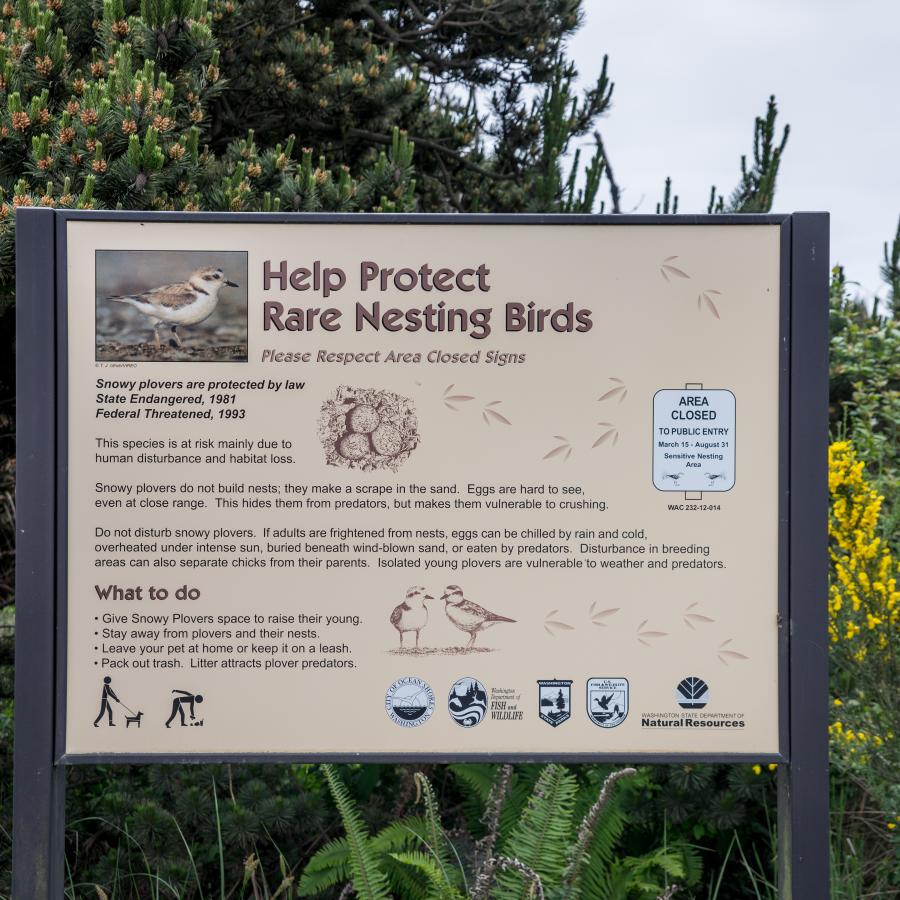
607 701
554 700
409 702
692 694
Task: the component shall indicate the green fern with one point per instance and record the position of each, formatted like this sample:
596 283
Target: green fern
369 879
600 829
541 838
328 867
437 841
439 887
640 878
479 778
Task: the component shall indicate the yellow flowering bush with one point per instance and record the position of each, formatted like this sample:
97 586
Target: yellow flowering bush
864 629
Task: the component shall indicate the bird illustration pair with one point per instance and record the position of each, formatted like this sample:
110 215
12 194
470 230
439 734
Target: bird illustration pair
185 303
412 613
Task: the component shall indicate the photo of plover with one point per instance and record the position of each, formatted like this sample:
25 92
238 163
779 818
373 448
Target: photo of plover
185 303
192 302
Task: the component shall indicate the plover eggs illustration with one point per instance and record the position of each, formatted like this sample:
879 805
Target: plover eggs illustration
386 440
354 446
363 419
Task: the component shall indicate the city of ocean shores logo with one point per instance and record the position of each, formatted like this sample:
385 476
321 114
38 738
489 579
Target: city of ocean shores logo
607 701
409 702
554 700
468 702
692 693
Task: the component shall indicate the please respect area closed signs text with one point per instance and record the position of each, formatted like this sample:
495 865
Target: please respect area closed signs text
420 488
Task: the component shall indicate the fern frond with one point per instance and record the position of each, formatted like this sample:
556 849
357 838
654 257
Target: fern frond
540 839
369 880
486 867
479 778
439 887
402 834
534 885
647 876
594 829
492 810
329 866
407 882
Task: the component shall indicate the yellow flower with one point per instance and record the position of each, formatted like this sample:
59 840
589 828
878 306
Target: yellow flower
757 770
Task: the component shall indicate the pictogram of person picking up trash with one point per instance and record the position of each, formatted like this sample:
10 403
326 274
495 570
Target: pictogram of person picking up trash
184 698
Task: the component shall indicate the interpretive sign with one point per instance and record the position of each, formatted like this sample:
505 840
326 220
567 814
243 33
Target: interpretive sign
374 483
408 487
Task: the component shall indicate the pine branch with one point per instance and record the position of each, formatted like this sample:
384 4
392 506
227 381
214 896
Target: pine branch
756 191
614 192
890 271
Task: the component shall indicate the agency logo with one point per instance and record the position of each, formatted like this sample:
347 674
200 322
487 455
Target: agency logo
468 702
554 700
409 702
607 701
692 693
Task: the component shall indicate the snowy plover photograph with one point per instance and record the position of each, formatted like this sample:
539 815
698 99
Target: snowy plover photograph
171 306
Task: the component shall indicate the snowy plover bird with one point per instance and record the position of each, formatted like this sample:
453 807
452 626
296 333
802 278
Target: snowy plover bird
468 616
411 614
186 303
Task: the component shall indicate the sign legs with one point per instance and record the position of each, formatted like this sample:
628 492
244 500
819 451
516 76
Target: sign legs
803 799
38 783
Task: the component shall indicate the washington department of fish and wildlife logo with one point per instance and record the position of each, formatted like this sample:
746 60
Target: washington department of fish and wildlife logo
409 702
607 701
467 702
692 693
554 700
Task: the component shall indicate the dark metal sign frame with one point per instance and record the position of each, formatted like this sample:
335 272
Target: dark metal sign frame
42 476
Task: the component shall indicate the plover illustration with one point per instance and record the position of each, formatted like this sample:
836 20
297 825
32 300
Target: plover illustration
411 614
468 616
185 303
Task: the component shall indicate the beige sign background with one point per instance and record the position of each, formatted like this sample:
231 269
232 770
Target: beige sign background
568 414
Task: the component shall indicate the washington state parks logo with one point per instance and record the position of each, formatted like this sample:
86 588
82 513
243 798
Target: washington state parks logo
554 701
692 693
409 702
607 701
467 702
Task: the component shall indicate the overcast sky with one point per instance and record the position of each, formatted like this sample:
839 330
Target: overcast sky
691 76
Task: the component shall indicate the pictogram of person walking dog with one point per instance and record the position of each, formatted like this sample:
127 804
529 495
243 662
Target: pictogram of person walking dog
182 702
107 694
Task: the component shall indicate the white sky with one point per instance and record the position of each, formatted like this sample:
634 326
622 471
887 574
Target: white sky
691 76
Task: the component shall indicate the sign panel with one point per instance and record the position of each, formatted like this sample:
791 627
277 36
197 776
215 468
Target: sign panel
396 488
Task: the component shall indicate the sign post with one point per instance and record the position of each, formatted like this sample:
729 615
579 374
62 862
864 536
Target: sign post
421 488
